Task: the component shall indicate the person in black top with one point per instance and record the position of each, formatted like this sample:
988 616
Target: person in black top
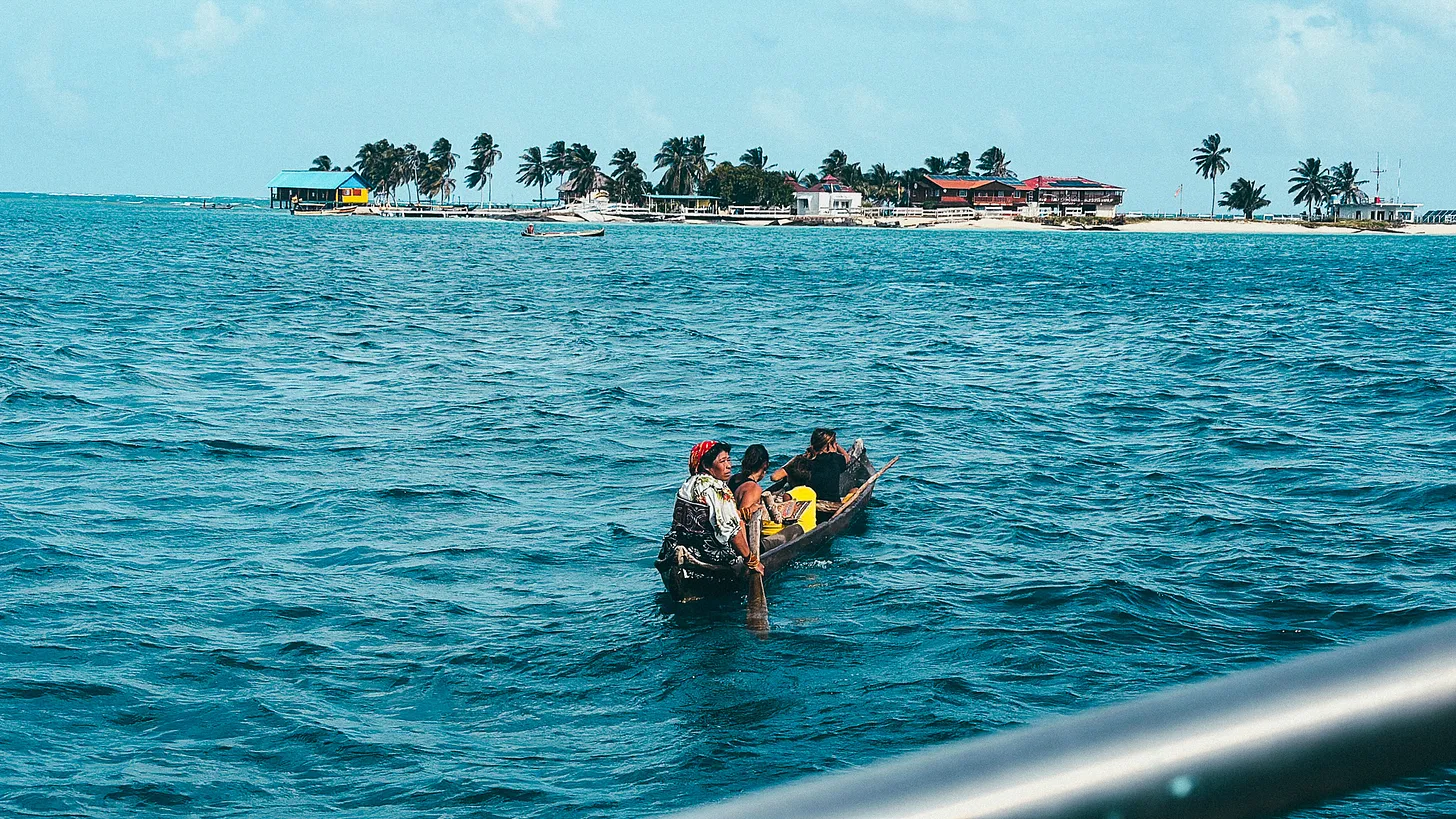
825 459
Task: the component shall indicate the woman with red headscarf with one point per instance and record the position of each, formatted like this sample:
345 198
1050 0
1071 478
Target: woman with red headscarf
705 518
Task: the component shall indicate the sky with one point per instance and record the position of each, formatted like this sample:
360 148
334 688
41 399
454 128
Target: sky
212 97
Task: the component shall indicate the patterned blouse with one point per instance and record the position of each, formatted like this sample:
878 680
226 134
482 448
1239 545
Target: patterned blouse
722 510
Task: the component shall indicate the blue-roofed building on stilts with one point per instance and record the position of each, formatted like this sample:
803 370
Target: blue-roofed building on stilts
317 189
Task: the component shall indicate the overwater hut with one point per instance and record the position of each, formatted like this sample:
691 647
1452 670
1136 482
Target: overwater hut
320 189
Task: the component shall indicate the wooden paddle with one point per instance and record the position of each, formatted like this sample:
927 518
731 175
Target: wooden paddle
757 619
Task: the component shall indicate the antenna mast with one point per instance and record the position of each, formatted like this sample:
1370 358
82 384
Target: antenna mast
1378 171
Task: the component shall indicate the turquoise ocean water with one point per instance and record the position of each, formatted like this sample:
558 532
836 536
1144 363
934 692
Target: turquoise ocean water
356 517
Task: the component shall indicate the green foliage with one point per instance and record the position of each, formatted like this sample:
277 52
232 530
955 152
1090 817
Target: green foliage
935 165
1210 160
1244 195
323 163
1345 183
1311 184
579 164
834 164
556 158
747 185
686 160
960 164
629 181
1210 157
993 163
534 170
483 153
756 158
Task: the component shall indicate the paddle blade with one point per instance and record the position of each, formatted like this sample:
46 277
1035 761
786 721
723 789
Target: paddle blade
757 603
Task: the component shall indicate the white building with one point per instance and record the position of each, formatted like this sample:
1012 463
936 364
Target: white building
1376 210
828 198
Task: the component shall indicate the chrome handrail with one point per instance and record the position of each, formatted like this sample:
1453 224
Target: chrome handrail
1252 743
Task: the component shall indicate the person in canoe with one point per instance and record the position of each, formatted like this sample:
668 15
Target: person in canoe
705 521
530 230
824 461
750 496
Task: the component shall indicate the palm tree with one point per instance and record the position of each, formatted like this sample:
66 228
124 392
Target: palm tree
1311 184
935 165
1245 195
323 163
371 162
1208 158
756 158
687 162
1345 183
881 181
580 163
443 162
407 166
484 153
993 163
534 170
700 160
556 158
629 181
673 157
960 164
834 164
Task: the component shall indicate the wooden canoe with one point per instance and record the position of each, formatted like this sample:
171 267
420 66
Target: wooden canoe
686 585
565 234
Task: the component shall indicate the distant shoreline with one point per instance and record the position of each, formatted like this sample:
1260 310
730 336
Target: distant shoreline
1207 226
1188 225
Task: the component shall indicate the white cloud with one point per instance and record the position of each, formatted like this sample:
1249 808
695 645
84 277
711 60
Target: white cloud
212 32
63 106
534 14
1433 16
1313 67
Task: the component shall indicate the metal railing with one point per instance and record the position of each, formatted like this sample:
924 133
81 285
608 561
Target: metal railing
1253 743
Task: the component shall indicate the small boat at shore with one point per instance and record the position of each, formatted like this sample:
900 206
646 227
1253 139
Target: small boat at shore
563 234
687 579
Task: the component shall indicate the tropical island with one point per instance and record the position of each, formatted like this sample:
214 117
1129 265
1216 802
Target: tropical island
958 190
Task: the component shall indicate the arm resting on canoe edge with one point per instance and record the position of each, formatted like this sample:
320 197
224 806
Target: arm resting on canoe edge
740 543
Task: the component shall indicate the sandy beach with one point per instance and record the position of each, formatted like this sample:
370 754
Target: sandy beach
1194 226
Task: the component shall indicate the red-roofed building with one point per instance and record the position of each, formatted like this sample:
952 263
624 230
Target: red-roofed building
828 197
988 194
1073 196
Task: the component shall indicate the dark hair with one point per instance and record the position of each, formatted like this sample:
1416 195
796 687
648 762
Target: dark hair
712 455
797 472
754 459
821 439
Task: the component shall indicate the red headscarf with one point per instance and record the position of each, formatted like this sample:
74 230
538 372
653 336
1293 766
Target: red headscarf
697 455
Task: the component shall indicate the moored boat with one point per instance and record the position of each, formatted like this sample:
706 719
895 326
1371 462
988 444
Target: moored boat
688 579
